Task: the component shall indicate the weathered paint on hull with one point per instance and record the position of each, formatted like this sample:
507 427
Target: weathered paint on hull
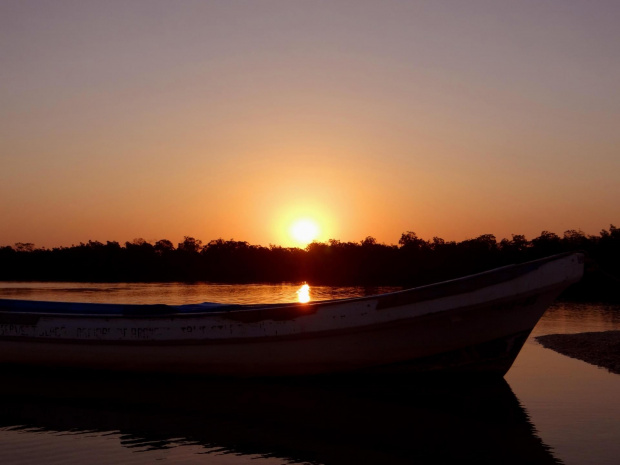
475 328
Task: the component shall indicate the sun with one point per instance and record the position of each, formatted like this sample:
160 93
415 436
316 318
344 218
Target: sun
304 230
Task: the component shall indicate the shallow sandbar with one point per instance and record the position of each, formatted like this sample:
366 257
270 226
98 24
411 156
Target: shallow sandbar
600 348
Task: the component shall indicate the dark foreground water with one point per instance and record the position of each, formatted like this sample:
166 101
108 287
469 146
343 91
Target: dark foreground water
549 409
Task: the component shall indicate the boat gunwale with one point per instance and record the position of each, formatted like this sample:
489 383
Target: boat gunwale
422 293
514 300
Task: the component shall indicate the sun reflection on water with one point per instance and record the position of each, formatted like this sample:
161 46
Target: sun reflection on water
303 294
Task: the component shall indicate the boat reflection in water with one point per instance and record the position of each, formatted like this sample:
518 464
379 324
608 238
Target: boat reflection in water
330 420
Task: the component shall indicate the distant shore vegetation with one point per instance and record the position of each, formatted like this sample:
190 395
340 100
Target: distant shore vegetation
413 261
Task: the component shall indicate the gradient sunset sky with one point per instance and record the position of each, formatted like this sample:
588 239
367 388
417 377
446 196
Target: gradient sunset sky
160 119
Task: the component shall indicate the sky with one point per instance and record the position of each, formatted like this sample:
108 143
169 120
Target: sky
233 119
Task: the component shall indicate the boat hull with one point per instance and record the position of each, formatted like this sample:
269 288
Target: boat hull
473 325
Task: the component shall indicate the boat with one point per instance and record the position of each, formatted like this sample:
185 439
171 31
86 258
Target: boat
472 325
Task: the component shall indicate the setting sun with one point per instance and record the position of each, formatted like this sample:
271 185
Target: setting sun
304 231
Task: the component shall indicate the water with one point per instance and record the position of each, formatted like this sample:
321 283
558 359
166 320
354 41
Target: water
177 293
550 408
574 405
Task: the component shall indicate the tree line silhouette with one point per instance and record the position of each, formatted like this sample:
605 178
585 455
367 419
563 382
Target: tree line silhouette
413 261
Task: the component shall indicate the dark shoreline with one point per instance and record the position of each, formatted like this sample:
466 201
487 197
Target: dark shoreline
597 348
412 262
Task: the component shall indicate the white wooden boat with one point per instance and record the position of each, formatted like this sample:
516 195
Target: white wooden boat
475 324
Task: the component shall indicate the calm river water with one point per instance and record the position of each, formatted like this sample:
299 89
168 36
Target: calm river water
550 408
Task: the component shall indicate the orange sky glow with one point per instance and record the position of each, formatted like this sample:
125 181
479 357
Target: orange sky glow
157 120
